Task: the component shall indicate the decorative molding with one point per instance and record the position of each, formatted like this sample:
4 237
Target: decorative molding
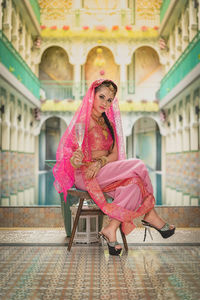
9 80
129 120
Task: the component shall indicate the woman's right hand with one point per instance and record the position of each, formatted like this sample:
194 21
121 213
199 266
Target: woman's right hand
77 158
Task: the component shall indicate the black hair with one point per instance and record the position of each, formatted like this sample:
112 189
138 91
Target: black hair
113 87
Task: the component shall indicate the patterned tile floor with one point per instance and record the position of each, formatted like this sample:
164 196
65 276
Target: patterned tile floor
163 272
48 236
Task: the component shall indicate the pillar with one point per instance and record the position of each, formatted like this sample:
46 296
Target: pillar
178 46
77 81
194 126
15 29
171 48
77 7
173 130
184 27
28 48
15 172
5 155
192 19
22 36
123 81
7 19
179 122
186 126
20 125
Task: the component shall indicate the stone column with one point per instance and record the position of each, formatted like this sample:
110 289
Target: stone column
5 155
168 141
15 29
173 132
77 7
15 173
21 160
22 35
28 48
171 48
123 81
178 46
186 126
77 81
194 124
179 129
7 19
192 19
123 7
184 27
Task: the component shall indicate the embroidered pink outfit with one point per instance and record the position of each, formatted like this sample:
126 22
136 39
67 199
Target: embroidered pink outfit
127 181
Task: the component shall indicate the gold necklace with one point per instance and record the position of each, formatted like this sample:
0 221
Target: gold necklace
101 122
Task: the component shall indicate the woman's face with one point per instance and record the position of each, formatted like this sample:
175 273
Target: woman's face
102 100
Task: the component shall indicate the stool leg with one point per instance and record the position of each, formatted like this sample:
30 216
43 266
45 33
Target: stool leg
123 238
75 224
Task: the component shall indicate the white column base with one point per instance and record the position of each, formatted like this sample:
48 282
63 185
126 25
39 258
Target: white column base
5 202
194 201
13 200
20 199
179 201
186 200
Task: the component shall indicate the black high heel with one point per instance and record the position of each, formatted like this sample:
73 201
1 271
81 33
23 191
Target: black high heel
111 245
165 231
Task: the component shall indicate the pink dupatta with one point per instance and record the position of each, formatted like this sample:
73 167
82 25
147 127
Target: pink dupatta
64 172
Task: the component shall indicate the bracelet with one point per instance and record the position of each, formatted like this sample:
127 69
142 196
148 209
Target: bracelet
72 163
99 162
103 160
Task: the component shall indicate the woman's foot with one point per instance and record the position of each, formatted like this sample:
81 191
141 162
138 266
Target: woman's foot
153 218
110 233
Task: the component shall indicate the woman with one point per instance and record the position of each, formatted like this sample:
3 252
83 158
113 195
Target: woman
100 166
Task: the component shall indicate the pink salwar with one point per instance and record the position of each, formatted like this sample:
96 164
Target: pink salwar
128 183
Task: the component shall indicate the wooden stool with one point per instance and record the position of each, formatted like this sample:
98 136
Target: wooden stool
83 195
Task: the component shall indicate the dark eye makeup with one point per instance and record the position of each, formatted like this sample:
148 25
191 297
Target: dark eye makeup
103 97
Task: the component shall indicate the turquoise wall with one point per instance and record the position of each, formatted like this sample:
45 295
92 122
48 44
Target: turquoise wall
146 148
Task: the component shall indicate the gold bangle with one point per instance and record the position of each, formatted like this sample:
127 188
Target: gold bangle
72 163
103 160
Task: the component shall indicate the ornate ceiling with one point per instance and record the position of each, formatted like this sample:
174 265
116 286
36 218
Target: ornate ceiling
62 4
57 9
146 8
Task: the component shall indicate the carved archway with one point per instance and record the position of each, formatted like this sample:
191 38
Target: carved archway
100 63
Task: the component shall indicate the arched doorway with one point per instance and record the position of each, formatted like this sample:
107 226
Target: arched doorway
100 64
56 74
49 137
145 143
144 74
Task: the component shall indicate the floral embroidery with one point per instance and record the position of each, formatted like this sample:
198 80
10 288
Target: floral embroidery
113 210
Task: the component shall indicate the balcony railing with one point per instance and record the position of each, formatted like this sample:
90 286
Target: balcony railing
17 66
70 90
186 62
61 90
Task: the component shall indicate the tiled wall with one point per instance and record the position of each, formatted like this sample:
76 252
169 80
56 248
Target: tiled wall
52 216
30 217
183 172
17 172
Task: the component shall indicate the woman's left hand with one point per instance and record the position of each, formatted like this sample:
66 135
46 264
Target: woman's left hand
93 169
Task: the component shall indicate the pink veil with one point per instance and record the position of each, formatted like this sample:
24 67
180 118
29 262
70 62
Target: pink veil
63 171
